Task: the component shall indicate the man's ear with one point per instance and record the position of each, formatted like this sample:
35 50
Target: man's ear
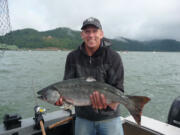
102 34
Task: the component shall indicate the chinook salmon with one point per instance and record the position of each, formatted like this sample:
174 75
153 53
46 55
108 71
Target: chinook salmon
77 92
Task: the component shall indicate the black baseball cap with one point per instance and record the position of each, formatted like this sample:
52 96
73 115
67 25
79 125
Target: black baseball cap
91 21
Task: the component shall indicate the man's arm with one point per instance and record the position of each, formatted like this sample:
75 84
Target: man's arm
68 74
116 73
115 78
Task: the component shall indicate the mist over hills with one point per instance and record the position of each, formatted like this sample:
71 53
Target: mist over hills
65 38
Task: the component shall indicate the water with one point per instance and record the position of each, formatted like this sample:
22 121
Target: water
156 75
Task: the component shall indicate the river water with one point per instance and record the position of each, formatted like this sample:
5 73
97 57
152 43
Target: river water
23 73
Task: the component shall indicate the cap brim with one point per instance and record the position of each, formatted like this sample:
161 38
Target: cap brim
85 26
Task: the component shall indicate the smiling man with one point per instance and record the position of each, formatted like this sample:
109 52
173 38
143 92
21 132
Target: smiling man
94 58
92 35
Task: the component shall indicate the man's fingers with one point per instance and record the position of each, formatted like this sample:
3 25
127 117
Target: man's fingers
95 100
92 101
59 102
103 99
98 100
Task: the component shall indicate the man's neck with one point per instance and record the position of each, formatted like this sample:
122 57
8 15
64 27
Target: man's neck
91 51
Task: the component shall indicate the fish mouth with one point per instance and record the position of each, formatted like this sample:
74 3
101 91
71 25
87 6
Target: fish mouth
42 98
40 92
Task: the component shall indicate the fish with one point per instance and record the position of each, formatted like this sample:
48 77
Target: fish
77 93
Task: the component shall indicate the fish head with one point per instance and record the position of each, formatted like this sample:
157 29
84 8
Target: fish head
49 95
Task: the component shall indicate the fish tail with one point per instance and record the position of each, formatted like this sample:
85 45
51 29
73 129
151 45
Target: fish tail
136 106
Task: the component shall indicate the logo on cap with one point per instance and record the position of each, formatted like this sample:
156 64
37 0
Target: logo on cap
90 19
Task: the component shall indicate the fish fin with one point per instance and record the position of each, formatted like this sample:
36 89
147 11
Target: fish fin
90 79
138 103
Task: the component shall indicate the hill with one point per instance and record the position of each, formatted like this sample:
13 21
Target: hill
65 38
62 38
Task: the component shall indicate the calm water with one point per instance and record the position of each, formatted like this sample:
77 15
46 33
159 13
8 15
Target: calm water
156 75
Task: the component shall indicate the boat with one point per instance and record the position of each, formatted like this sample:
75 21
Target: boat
62 123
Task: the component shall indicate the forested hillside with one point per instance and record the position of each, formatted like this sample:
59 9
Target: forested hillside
65 38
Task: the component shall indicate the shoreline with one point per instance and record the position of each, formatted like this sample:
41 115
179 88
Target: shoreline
64 49
36 49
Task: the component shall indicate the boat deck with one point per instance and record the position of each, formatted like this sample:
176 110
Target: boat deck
148 126
155 126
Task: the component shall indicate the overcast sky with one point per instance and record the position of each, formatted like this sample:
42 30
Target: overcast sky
135 19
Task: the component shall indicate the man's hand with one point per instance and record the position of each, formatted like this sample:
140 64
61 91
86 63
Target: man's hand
59 102
99 101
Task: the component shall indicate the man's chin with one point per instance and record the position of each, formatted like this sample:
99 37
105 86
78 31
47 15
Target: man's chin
91 45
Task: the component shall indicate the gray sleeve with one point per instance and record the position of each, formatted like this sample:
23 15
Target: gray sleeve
116 72
69 72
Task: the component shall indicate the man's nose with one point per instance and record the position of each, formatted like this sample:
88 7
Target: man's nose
91 34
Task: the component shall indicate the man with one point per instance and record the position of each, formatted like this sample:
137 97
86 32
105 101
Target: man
94 58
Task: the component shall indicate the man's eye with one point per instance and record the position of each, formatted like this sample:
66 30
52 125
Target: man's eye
93 31
87 32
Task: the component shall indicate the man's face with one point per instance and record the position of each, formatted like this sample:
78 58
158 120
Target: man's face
92 36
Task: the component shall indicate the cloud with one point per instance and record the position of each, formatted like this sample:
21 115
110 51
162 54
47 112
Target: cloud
136 19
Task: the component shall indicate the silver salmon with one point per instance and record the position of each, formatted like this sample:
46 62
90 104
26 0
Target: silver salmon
77 92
